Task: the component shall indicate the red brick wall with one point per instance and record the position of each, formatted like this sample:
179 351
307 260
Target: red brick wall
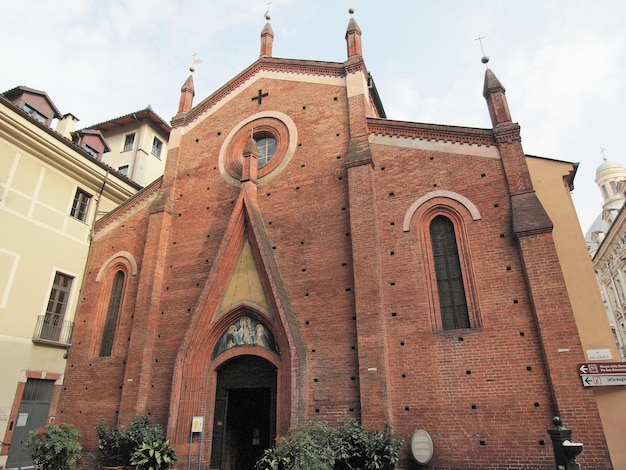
483 394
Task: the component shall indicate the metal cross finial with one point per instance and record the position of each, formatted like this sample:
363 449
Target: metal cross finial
267 13
485 58
602 149
480 40
194 61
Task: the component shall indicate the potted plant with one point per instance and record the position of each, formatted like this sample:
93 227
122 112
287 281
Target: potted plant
116 445
110 453
154 455
54 447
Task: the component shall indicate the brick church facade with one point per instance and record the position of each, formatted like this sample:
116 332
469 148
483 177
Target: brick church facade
305 257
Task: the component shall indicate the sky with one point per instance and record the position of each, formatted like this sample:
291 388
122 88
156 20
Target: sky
562 62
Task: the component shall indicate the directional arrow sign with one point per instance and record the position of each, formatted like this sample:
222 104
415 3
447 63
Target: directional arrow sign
612 368
603 380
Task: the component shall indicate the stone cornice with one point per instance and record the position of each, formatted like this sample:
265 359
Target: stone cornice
436 132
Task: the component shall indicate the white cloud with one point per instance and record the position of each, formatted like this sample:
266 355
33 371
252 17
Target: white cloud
562 63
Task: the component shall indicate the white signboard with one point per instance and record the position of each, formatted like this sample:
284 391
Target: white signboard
599 355
21 419
603 380
197 423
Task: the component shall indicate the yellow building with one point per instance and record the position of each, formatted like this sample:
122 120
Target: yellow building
51 192
553 180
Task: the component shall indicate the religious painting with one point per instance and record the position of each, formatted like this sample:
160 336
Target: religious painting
245 332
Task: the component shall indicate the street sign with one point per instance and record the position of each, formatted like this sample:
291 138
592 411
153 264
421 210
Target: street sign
611 368
603 380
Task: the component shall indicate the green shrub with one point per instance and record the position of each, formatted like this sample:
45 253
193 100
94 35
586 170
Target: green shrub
318 446
154 455
116 445
310 447
366 449
54 447
142 430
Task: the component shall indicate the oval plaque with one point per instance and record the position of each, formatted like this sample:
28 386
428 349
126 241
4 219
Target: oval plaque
421 447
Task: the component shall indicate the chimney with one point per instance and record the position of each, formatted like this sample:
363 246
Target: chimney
67 125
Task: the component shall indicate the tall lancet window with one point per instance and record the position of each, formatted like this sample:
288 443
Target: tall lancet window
452 298
115 302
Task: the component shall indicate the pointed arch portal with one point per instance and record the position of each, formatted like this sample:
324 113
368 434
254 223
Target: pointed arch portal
244 421
239 363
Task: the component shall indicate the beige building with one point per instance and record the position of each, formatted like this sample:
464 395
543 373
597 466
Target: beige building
606 242
51 191
609 262
138 144
553 180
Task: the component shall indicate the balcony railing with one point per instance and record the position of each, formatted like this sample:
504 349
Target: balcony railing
56 335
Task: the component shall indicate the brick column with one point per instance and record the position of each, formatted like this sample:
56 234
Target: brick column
556 325
146 316
561 347
371 338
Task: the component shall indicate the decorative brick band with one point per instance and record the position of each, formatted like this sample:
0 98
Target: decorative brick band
507 134
124 257
298 67
469 205
129 204
464 135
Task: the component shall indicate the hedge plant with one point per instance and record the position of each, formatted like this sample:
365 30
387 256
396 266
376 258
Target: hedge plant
319 446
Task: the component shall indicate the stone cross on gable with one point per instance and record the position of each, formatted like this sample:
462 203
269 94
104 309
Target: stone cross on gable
260 96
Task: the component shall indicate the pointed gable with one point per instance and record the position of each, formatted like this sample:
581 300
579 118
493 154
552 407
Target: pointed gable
245 285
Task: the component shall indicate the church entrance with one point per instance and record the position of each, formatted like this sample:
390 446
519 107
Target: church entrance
245 413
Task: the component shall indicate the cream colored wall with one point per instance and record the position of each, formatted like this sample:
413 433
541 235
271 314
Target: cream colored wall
38 179
144 167
38 238
593 325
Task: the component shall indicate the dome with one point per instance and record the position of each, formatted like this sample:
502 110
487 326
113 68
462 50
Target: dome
598 225
609 165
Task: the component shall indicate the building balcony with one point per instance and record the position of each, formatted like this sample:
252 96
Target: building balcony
53 333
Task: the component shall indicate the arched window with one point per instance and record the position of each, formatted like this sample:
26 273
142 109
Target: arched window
450 289
266 145
115 302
